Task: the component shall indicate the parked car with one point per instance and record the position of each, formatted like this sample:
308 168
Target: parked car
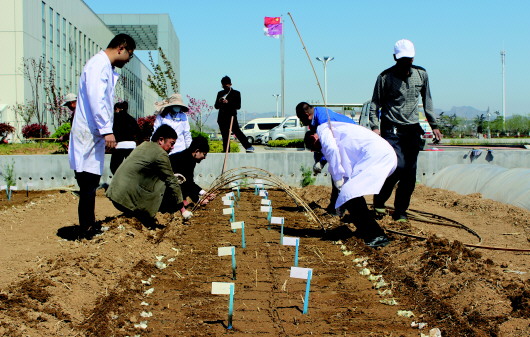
258 126
289 128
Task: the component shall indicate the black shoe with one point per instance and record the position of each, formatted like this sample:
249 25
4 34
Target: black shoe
400 217
378 241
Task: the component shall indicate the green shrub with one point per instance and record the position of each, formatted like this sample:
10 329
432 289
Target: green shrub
307 176
62 130
292 143
195 133
216 146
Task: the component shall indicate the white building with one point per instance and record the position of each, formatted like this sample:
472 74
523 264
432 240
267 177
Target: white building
65 34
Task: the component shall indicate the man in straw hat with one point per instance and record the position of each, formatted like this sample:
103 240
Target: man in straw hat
92 125
172 112
395 107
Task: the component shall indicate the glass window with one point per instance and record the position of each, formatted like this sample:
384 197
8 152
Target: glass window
267 126
249 126
291 123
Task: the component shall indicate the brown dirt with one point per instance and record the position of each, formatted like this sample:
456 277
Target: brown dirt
53 286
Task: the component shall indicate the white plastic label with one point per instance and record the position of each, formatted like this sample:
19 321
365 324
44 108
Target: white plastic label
297 272
289 241
222 288
223 251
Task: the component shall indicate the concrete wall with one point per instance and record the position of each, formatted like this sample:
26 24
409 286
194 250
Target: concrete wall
53 171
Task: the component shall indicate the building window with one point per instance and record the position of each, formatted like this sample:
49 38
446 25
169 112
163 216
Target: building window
43 42
50 33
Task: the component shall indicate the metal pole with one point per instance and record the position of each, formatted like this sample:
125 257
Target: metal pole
503 60
325 61
277 96
282 58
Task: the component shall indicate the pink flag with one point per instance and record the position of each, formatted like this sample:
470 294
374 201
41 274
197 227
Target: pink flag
273 26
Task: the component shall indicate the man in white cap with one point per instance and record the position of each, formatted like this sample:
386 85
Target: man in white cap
394 116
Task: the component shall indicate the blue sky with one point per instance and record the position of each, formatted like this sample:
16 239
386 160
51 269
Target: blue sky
458 42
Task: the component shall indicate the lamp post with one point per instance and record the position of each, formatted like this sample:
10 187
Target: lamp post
277 96
325 61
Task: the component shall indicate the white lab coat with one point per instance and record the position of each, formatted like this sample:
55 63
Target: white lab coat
179 122
94 115
359 156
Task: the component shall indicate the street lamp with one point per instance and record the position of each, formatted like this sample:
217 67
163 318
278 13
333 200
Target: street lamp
277 97
325 61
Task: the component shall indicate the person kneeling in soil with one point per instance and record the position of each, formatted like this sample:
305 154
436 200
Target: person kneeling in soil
145 184
184 163
359 162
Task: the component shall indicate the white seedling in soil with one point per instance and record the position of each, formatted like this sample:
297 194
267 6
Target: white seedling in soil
149 291
365 272
389 301
141 325
405 313
146 314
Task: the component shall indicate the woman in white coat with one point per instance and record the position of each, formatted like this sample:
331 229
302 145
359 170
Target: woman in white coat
171 111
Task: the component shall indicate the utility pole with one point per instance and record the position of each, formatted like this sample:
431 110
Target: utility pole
503 61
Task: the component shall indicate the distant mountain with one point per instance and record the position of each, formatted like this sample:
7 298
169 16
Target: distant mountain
467 112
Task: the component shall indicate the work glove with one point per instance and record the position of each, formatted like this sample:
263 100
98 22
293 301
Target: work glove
187 215
180 178
317 168
339 183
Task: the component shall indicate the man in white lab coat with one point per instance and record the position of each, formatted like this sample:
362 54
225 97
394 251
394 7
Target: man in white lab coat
359 163
92 125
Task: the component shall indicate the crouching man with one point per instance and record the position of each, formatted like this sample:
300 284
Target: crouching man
359 162
145 181
184 163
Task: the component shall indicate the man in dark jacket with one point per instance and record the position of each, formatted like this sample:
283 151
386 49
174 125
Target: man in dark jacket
184 163
228 101
146 178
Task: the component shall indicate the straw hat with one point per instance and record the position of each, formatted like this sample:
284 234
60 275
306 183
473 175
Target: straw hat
69 98
175 99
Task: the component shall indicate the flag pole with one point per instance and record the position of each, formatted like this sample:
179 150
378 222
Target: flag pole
282 64
314 72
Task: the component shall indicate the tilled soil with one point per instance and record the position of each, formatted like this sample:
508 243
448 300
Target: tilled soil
133 281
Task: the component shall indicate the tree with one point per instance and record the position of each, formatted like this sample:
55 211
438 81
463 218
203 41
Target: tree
448 124
25 111
162 76
518 124
34 71
480 123
199 112
54 100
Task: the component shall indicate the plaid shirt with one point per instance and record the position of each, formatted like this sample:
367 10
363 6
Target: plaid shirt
397 98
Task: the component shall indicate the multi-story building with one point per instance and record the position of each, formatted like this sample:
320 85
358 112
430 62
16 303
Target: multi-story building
64 34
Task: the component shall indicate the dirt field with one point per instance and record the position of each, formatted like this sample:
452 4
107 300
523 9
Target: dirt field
116 283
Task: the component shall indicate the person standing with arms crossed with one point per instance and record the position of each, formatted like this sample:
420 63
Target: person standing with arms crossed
395 105
228 101
92 125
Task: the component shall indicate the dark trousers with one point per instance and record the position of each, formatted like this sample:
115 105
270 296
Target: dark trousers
118 156
88 183
224 127
407 142
363 219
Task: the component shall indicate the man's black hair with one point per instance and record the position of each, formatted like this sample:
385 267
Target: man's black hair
200 143
226 80
300 112
122 105
308 140
122 40
164 131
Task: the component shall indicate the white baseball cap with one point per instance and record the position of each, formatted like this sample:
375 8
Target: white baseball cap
404 48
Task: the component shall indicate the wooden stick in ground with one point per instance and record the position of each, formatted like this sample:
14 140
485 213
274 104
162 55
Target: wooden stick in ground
228 144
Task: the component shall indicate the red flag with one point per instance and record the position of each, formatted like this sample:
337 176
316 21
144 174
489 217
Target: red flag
272 21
